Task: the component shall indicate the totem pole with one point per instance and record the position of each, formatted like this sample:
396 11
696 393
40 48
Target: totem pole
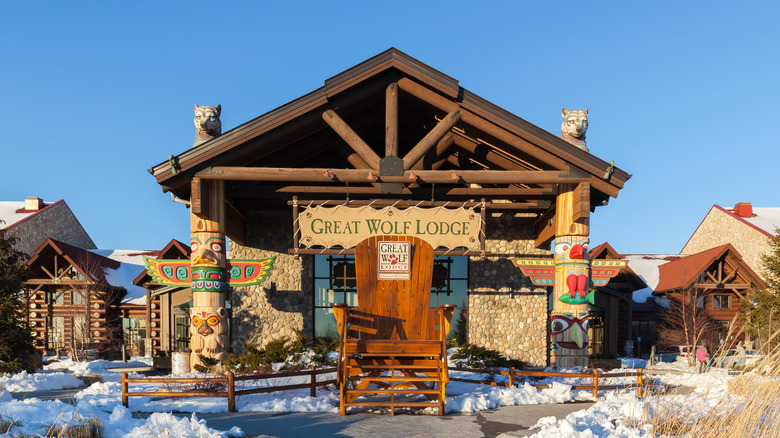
571 276
208 273
569 319
208 322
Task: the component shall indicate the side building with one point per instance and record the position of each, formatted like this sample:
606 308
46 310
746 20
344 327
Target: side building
77 297
745 227
32 221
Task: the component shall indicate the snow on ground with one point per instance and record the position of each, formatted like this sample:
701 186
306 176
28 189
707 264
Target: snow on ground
612 415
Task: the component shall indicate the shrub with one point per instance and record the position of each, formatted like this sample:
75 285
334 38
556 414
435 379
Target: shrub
206 365
321 348
474 356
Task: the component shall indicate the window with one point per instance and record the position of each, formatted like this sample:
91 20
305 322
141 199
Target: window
79 328
56 336
335 282
134 330
181 333
721 301
55 297
700 302
78 297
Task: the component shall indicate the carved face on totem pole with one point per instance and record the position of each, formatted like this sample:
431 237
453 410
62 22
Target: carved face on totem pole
569 332
208 261
573 267
207 329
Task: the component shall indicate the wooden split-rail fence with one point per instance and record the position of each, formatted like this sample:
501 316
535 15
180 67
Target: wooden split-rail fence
231 393
595 375
230 383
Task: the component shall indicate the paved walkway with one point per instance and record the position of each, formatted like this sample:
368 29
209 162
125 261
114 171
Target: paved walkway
513 421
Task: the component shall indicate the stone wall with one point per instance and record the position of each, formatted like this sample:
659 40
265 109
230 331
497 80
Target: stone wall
719 228
283 302
515 325
56 221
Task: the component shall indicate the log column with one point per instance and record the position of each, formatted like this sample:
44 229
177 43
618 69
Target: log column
569 319
208 317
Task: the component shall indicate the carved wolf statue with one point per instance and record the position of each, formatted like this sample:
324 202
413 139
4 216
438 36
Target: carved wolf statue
207 123
574 126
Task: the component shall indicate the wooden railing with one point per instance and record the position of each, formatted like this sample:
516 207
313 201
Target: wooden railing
230 382
512 374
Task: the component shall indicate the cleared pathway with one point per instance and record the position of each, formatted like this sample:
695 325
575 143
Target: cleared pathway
511 420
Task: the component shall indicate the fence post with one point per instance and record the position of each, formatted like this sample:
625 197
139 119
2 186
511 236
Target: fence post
639 382
231 387
124 390
313 388
596 383
511 376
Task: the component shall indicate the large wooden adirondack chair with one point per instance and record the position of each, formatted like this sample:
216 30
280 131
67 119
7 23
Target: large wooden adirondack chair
393 342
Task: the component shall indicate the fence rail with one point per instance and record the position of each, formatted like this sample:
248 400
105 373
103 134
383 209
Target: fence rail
230 381
595 375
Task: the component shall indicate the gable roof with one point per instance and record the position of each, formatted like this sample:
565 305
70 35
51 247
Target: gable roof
172 250
684 272
297 135
13 212
89 264
764 219
112 268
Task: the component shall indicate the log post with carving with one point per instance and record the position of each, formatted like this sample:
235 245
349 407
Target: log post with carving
571 289
208 317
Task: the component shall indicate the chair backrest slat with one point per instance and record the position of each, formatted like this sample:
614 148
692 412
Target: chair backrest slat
401 308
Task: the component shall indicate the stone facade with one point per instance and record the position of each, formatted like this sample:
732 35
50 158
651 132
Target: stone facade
719 228
515 326
283 302
513 323
56 221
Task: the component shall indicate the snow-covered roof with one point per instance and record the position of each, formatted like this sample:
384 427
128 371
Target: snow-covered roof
12 212
131 263
765 218
646 267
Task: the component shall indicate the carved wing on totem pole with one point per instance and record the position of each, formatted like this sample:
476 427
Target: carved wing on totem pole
542 273
180 273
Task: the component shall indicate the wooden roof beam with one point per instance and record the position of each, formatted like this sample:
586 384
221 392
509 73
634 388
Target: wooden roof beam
467 192
469 118
391 120
365 175
353 140
431 139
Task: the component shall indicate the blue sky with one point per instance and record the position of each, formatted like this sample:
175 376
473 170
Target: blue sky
681 94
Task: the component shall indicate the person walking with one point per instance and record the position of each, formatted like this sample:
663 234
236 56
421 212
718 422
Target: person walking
701 358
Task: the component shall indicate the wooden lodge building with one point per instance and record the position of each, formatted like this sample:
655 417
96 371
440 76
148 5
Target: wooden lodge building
392 131
717 279
78 296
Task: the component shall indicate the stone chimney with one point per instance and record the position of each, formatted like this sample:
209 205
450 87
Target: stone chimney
743 209
33 204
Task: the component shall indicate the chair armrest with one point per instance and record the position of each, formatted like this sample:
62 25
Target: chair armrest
341 313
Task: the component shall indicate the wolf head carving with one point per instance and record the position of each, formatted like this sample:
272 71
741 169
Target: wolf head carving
574 126
207 123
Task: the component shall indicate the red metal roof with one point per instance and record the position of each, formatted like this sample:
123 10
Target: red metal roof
681 273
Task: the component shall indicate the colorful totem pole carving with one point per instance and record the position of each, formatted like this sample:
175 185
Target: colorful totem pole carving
208 274
570 274
208 277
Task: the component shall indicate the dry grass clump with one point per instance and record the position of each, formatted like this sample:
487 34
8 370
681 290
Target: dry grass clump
90 428
750 408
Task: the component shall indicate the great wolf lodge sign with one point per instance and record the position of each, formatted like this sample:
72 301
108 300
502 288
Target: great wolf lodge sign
346 226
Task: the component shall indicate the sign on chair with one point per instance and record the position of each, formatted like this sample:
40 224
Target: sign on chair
395 260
